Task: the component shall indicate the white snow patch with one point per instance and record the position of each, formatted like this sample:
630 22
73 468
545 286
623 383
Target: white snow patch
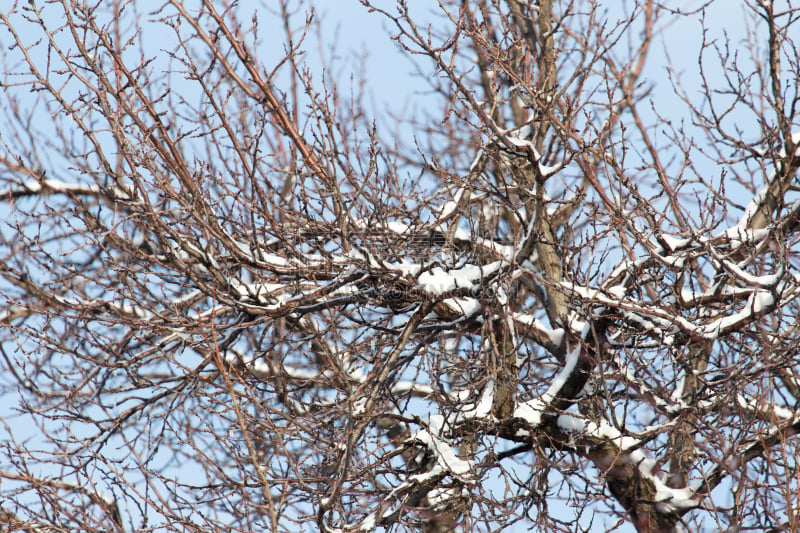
446 457
447 209
757 302
562 377
462 235
796 134
439 281
617 291
774 410
440 496
398 227
675 243
507 252
358 406
406 268
571 424
368 524
484 406
476 160
549 170
670 499
465 306
531 411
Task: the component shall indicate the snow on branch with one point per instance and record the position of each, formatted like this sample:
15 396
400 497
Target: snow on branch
666 498
48 186
761 294
520 138
533 410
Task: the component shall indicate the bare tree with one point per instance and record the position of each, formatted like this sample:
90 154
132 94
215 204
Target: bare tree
231 300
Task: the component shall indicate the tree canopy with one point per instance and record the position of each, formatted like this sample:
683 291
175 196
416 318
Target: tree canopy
236 295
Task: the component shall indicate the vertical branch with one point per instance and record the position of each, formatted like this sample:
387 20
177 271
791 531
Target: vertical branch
682 439
787 165
502 367
244 425
545 85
